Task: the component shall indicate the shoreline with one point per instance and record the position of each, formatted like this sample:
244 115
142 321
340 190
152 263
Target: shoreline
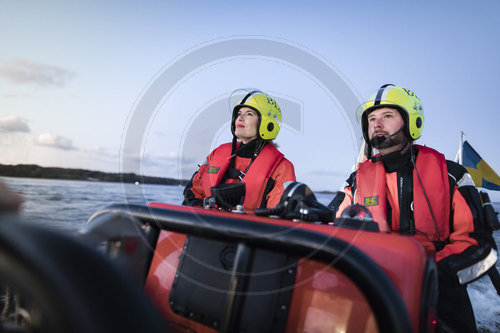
39 172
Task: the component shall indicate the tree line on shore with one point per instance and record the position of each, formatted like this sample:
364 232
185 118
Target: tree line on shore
36 171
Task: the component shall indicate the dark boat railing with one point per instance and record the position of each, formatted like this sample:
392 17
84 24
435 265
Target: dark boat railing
385 301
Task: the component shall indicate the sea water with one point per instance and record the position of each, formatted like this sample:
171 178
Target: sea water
67 205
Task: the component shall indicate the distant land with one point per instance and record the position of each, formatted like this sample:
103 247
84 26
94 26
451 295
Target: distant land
36 171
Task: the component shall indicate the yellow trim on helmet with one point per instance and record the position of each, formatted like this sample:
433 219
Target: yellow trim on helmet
402 99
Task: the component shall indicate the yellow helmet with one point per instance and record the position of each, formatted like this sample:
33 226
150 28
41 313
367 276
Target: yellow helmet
267 109
403 100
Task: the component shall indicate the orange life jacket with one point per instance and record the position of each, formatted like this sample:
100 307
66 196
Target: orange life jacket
256 177
371 191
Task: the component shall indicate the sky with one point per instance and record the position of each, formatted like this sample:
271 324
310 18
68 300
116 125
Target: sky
144 86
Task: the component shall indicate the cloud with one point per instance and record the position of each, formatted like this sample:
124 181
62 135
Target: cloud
13 124
54 141
13 96
103 151
23 71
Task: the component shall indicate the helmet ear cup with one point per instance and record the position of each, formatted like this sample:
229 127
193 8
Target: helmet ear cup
416 127
419 122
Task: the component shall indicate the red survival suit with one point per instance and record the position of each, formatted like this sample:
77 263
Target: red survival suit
395 197
264 178
375 187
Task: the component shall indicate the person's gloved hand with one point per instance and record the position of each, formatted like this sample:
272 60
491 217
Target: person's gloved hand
298 202
312 211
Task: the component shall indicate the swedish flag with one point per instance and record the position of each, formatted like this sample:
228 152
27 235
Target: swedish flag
482 174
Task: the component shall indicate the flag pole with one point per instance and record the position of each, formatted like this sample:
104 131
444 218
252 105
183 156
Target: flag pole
458 157
462 137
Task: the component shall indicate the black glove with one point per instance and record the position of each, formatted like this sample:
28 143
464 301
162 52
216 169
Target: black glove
298 202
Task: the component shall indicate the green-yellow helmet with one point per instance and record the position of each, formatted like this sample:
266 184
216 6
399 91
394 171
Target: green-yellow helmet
403 100
267 109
